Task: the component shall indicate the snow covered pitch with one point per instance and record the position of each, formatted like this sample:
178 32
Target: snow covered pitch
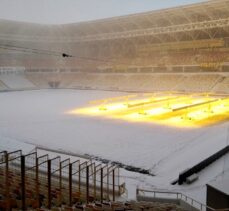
40 117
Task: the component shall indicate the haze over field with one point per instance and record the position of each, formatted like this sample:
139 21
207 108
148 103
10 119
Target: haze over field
71 11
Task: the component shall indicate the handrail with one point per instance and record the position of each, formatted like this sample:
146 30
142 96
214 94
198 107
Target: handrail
15 152
3 157
32 153
180 196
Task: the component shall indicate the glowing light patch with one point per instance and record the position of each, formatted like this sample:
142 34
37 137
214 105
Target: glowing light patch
174 110
157 111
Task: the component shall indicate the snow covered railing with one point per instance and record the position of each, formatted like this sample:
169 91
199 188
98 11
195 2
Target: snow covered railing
174 197
201 165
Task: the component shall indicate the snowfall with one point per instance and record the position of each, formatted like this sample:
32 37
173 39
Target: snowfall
38 118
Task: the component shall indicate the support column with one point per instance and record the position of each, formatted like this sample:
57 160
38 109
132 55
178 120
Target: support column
49 184
23 182
70 184
113 174
87 184
101 185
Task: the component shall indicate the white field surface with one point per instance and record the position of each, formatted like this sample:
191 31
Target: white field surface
38 117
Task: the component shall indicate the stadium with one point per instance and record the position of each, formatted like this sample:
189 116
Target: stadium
122 113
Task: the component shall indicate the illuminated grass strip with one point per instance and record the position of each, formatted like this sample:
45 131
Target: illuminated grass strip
172 110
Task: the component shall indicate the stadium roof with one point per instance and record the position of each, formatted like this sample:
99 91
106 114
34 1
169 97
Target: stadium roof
204 17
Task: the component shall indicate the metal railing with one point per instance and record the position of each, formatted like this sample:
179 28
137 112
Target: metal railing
31 177
177 196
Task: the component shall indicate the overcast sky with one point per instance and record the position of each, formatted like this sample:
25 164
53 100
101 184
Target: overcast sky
70 11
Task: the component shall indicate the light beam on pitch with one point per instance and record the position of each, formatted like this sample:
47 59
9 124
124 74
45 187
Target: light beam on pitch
173 110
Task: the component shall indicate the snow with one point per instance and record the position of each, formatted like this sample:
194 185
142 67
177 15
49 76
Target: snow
38 117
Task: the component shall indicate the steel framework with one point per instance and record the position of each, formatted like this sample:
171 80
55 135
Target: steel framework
120 40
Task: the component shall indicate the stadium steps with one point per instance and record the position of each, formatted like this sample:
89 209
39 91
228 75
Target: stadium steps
222 86
40 80
16 81
217 82
3 87
78 198
198 83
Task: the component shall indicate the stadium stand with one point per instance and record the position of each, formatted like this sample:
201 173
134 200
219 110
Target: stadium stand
29 181
198 83
67 79
111 81
223 86
16 81
84 80
35 181
186 82
41 80
163 82
134 80
38 182
2 87
172 48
